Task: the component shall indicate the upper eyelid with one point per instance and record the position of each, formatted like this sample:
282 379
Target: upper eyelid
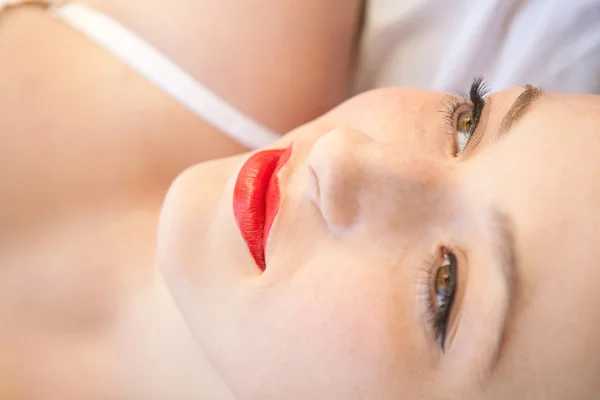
452 104
480 129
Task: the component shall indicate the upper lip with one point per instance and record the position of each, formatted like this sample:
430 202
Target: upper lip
256 199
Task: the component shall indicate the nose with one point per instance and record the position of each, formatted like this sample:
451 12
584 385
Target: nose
336 175
353 178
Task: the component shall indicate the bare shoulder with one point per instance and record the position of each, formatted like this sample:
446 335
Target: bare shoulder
77 125
283 62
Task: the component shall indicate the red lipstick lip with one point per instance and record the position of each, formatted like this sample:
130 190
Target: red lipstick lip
256 198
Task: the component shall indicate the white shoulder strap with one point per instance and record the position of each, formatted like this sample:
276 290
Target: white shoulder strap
12 3
158 69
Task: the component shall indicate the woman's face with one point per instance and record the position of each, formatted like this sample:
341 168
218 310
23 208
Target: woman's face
400 265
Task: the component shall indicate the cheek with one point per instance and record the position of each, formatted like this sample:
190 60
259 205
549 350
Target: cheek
344 315
547 180
338 327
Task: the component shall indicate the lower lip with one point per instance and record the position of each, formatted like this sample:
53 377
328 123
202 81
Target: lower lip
256 199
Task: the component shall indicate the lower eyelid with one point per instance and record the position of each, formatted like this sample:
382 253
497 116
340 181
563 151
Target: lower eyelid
425 294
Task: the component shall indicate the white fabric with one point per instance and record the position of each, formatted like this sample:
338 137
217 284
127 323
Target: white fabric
443 44
158 69
434 44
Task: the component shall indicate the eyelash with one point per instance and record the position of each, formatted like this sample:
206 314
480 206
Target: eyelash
436 320
475 102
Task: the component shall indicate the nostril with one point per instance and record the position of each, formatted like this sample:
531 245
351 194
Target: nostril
313 184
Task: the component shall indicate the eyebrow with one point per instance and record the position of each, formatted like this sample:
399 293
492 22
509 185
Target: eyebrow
520 107
505 248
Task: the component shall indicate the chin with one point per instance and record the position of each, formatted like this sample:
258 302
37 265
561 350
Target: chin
200 252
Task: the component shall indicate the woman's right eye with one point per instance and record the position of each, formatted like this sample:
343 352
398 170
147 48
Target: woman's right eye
463 115
464 130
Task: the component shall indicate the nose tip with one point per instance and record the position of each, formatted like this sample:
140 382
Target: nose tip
336 174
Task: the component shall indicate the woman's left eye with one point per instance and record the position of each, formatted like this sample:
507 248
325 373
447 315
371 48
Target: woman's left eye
444 290
464 130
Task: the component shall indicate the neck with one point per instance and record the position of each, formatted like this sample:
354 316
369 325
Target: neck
164 358
159 359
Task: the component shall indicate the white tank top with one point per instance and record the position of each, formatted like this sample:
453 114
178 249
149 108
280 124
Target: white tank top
443 44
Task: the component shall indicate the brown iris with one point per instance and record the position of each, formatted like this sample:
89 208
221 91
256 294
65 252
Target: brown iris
445 282
465 121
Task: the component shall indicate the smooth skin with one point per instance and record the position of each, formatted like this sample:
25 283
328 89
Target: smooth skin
88 149
338 314
371 192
